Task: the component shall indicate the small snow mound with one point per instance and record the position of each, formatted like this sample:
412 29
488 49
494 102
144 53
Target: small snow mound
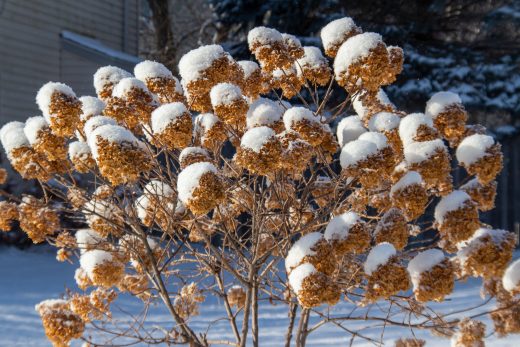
379 255
95 122
312 57
354 49
43 97
255 138
206 121
111 133
410 178
192 150
91 106
90 259
86 238
384 121
151 69
126 85
78 149
339 226
356 151
362 110
418 152
225 94
297 114
440 101
410 124
376 138
196 61
263 36
423 262
263 112
511 278
349 129
450 202
249 67
165 115
302 248
12 136
189 179
33 126
473 148
334 33
299 274
108 75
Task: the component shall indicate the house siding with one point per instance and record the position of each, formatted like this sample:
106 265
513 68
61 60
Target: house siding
31 50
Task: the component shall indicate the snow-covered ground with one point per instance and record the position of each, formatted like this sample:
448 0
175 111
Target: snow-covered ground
27 277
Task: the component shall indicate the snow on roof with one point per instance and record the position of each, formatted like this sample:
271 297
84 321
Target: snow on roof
249 67
193 150
263 112
439 101
356 151
450 202
12 136
376 138
96 122
126 85
111 133
91 106
225 94
151 69
189 178
254 139
165 115
362 110
302 248
354 49
349 129
410 124
339 226
417 152
410 178
44 95
297 114
473 148
379 255
193 63
299 274
263 36
33 125
335 32
109 75
312 57
78 149
384 121
90 259
511 278
423 262
86 238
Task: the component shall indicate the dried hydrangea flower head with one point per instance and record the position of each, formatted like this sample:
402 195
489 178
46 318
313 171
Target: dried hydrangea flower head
260 151
265 112
131 103
367 103
384 150
432 161
152 206
60 323
483 195
106 78
335 33
347 233
188 301
89 239
410 342
314 249
365 62
229 105
349 129
120 157
296 153
417 127
305 123
8 214
361 159
95 122
236 296
313 67
480 155
160 81
392 228
102 268
192 155
287 80
254 80
208 131
200 188
81 157
203 68
43 140
456 218
409 195
134 249
90 107
294 46
312 287
172 125
270 48
37 219
471 334
432 275
388 124
386 276
448 114
486 254
60 107
103 216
